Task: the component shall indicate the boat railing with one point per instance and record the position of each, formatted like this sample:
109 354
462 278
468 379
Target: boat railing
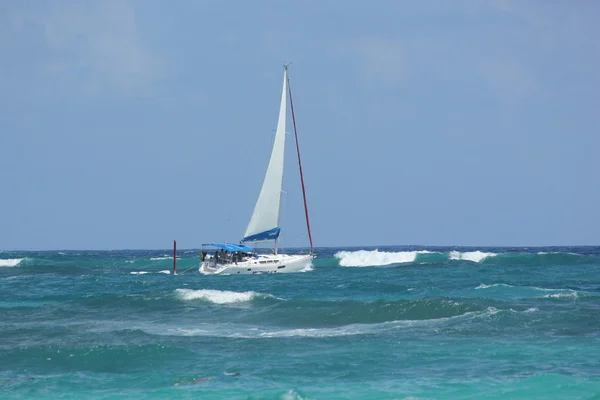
228 259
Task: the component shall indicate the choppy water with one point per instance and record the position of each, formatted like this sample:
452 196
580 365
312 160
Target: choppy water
393 323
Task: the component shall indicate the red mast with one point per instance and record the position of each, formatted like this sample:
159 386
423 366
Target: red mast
174 257
300 165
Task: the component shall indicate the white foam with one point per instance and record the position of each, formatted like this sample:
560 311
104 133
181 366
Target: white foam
165 271
248 332
161 258
308 268
217 296
234 330
571 294
139 272
11 262
370 258
484 286
291 395
475 256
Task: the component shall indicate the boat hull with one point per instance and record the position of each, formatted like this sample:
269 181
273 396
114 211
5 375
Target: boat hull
263 264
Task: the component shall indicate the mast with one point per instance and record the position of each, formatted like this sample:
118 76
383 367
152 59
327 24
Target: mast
300 166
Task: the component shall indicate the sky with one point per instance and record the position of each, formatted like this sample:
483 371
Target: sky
127 124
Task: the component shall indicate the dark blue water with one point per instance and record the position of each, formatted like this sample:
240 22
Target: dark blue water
400 322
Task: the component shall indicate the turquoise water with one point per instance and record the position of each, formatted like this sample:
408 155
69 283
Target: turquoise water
394 323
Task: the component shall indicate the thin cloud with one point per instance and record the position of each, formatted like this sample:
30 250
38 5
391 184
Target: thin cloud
381 61
90 45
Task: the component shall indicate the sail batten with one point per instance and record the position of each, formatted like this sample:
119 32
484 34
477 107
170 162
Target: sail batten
264 223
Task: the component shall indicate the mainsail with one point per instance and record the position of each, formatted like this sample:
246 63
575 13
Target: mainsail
264 224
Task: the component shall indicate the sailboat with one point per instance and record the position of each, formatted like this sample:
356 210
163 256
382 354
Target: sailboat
264 226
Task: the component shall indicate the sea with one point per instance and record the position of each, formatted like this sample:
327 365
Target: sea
387 322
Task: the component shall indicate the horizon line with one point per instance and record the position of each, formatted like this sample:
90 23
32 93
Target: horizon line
315 247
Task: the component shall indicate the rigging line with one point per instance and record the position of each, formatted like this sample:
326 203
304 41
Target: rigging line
300 165
181 273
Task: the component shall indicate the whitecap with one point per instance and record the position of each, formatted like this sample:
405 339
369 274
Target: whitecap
484 286
371 258
10 262
572 294
475 256
291 395
217 296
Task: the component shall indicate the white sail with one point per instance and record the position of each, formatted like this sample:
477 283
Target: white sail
264 224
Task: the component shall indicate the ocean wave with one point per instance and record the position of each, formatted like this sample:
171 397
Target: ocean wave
292 395
484 286
503 290
571 294
374 258
369 258
219 296
261 332
10 262
475 256
164 271
302 313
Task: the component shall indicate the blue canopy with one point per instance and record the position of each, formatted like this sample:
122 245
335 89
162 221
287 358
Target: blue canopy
271 234
230 247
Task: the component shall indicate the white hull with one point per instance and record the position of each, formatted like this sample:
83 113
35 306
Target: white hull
263 264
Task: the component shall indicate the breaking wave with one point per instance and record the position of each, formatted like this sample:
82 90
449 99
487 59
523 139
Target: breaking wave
11 262
568 295
475 256
368 258
484 286
372 258
219 296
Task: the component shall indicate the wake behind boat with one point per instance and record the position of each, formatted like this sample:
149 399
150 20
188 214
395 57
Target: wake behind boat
264 223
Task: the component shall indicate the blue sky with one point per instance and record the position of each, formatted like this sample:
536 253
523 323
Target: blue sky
126 124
